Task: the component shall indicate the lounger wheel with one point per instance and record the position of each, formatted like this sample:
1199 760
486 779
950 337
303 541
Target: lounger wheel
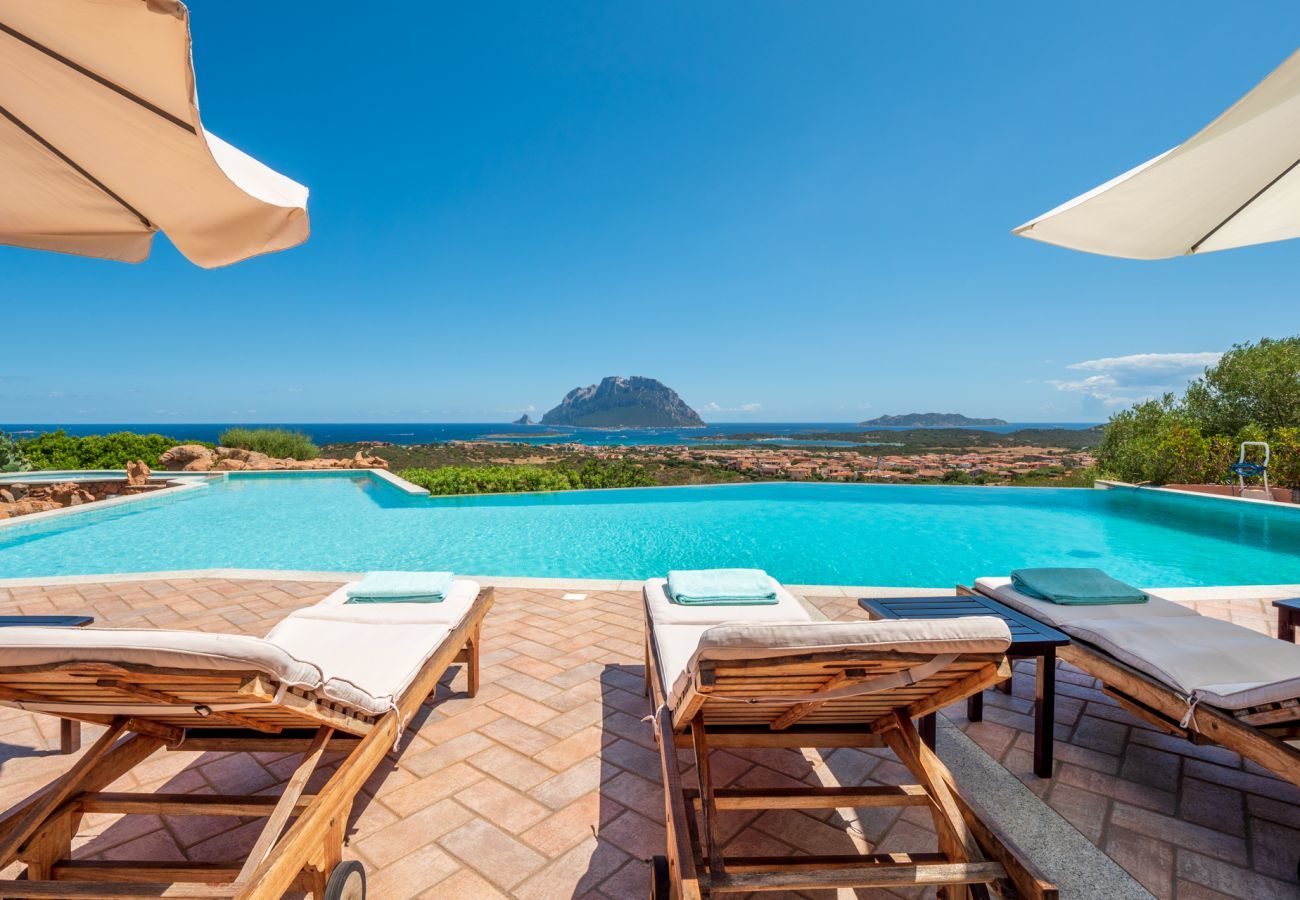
346 882
660 882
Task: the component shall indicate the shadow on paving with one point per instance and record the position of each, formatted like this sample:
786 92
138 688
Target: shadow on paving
227 840
744 832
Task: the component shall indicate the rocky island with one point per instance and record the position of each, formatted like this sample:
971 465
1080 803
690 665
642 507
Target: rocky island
931 420
619 402
525 419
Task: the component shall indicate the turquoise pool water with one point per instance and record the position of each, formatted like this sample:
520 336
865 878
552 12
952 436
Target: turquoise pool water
801 533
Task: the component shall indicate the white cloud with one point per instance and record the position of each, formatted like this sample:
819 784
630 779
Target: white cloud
1126 379
742 408
1150 362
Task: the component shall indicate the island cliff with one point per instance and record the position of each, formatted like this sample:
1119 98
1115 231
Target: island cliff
619 402
931 420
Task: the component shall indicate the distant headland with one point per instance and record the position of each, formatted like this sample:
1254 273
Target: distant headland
618 402
931 420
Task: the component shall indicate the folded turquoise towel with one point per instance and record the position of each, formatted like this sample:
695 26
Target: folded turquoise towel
401 587
1075 587
722 587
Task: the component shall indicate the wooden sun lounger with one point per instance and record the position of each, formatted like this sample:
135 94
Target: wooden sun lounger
973 855
300 846
1259 734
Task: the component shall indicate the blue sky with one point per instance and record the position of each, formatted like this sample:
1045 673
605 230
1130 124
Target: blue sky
784 211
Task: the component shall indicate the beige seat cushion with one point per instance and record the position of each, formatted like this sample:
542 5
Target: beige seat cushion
1224 665
787 608
683 647
365 665
1057 615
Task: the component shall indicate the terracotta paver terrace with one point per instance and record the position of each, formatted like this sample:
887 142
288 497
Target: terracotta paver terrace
546 785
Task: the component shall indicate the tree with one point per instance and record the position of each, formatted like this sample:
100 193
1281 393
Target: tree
1253 384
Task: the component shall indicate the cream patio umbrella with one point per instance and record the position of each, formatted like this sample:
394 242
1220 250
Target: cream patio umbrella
101 143
1232 184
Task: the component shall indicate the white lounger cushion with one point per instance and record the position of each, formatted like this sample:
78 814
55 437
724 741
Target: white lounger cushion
1222 664
360 655
377 661
1057 615
157 647
787 608
683 647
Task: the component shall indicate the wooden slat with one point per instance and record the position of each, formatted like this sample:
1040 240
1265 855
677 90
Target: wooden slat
830 861
842 678
68 890
862 876
816 797
182 804
119 871
140 692
287 804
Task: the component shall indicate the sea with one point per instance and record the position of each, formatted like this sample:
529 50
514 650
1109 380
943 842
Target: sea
787 433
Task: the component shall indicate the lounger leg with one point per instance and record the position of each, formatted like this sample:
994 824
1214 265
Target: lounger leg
927 726
471 667
955 838
69 736
708 807
1045 713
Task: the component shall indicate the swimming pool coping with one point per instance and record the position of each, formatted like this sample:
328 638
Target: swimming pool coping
504 581
177 482
174 486
1106 484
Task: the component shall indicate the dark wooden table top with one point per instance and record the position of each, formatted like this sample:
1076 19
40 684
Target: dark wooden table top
1027 635
1293 603
46 621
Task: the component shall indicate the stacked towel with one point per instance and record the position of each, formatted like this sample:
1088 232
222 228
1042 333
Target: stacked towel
1074 587
721 587
401 587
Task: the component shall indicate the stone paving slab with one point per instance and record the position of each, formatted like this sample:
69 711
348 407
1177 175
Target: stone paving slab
546 784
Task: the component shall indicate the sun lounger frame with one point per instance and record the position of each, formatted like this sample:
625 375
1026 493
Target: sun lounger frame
301 844
973 852
1259 734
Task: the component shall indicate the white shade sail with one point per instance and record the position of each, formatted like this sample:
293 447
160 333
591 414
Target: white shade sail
1235 183
101 143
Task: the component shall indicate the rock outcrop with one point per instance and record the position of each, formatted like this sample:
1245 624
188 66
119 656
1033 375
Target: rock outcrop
523 420
619 402
20 499
137 473
197 458
188 458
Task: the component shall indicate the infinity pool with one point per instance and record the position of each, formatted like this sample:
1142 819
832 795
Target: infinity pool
801 533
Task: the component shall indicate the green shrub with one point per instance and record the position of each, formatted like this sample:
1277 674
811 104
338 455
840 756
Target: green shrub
11 455
1251 394
60 450
516 479
278 442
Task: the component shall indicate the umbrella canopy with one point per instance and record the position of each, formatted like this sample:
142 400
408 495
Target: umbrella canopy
1235 183
101 143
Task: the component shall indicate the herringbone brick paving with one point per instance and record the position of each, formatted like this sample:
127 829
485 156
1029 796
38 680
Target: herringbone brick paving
546 785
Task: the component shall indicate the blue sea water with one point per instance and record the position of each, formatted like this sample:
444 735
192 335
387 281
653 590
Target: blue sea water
425 433
801 533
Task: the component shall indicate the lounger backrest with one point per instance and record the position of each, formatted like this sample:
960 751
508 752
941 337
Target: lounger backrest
820 674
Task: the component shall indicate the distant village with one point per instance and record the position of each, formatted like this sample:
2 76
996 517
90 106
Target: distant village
818 464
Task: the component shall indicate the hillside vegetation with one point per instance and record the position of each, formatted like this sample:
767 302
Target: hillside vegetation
1251 394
